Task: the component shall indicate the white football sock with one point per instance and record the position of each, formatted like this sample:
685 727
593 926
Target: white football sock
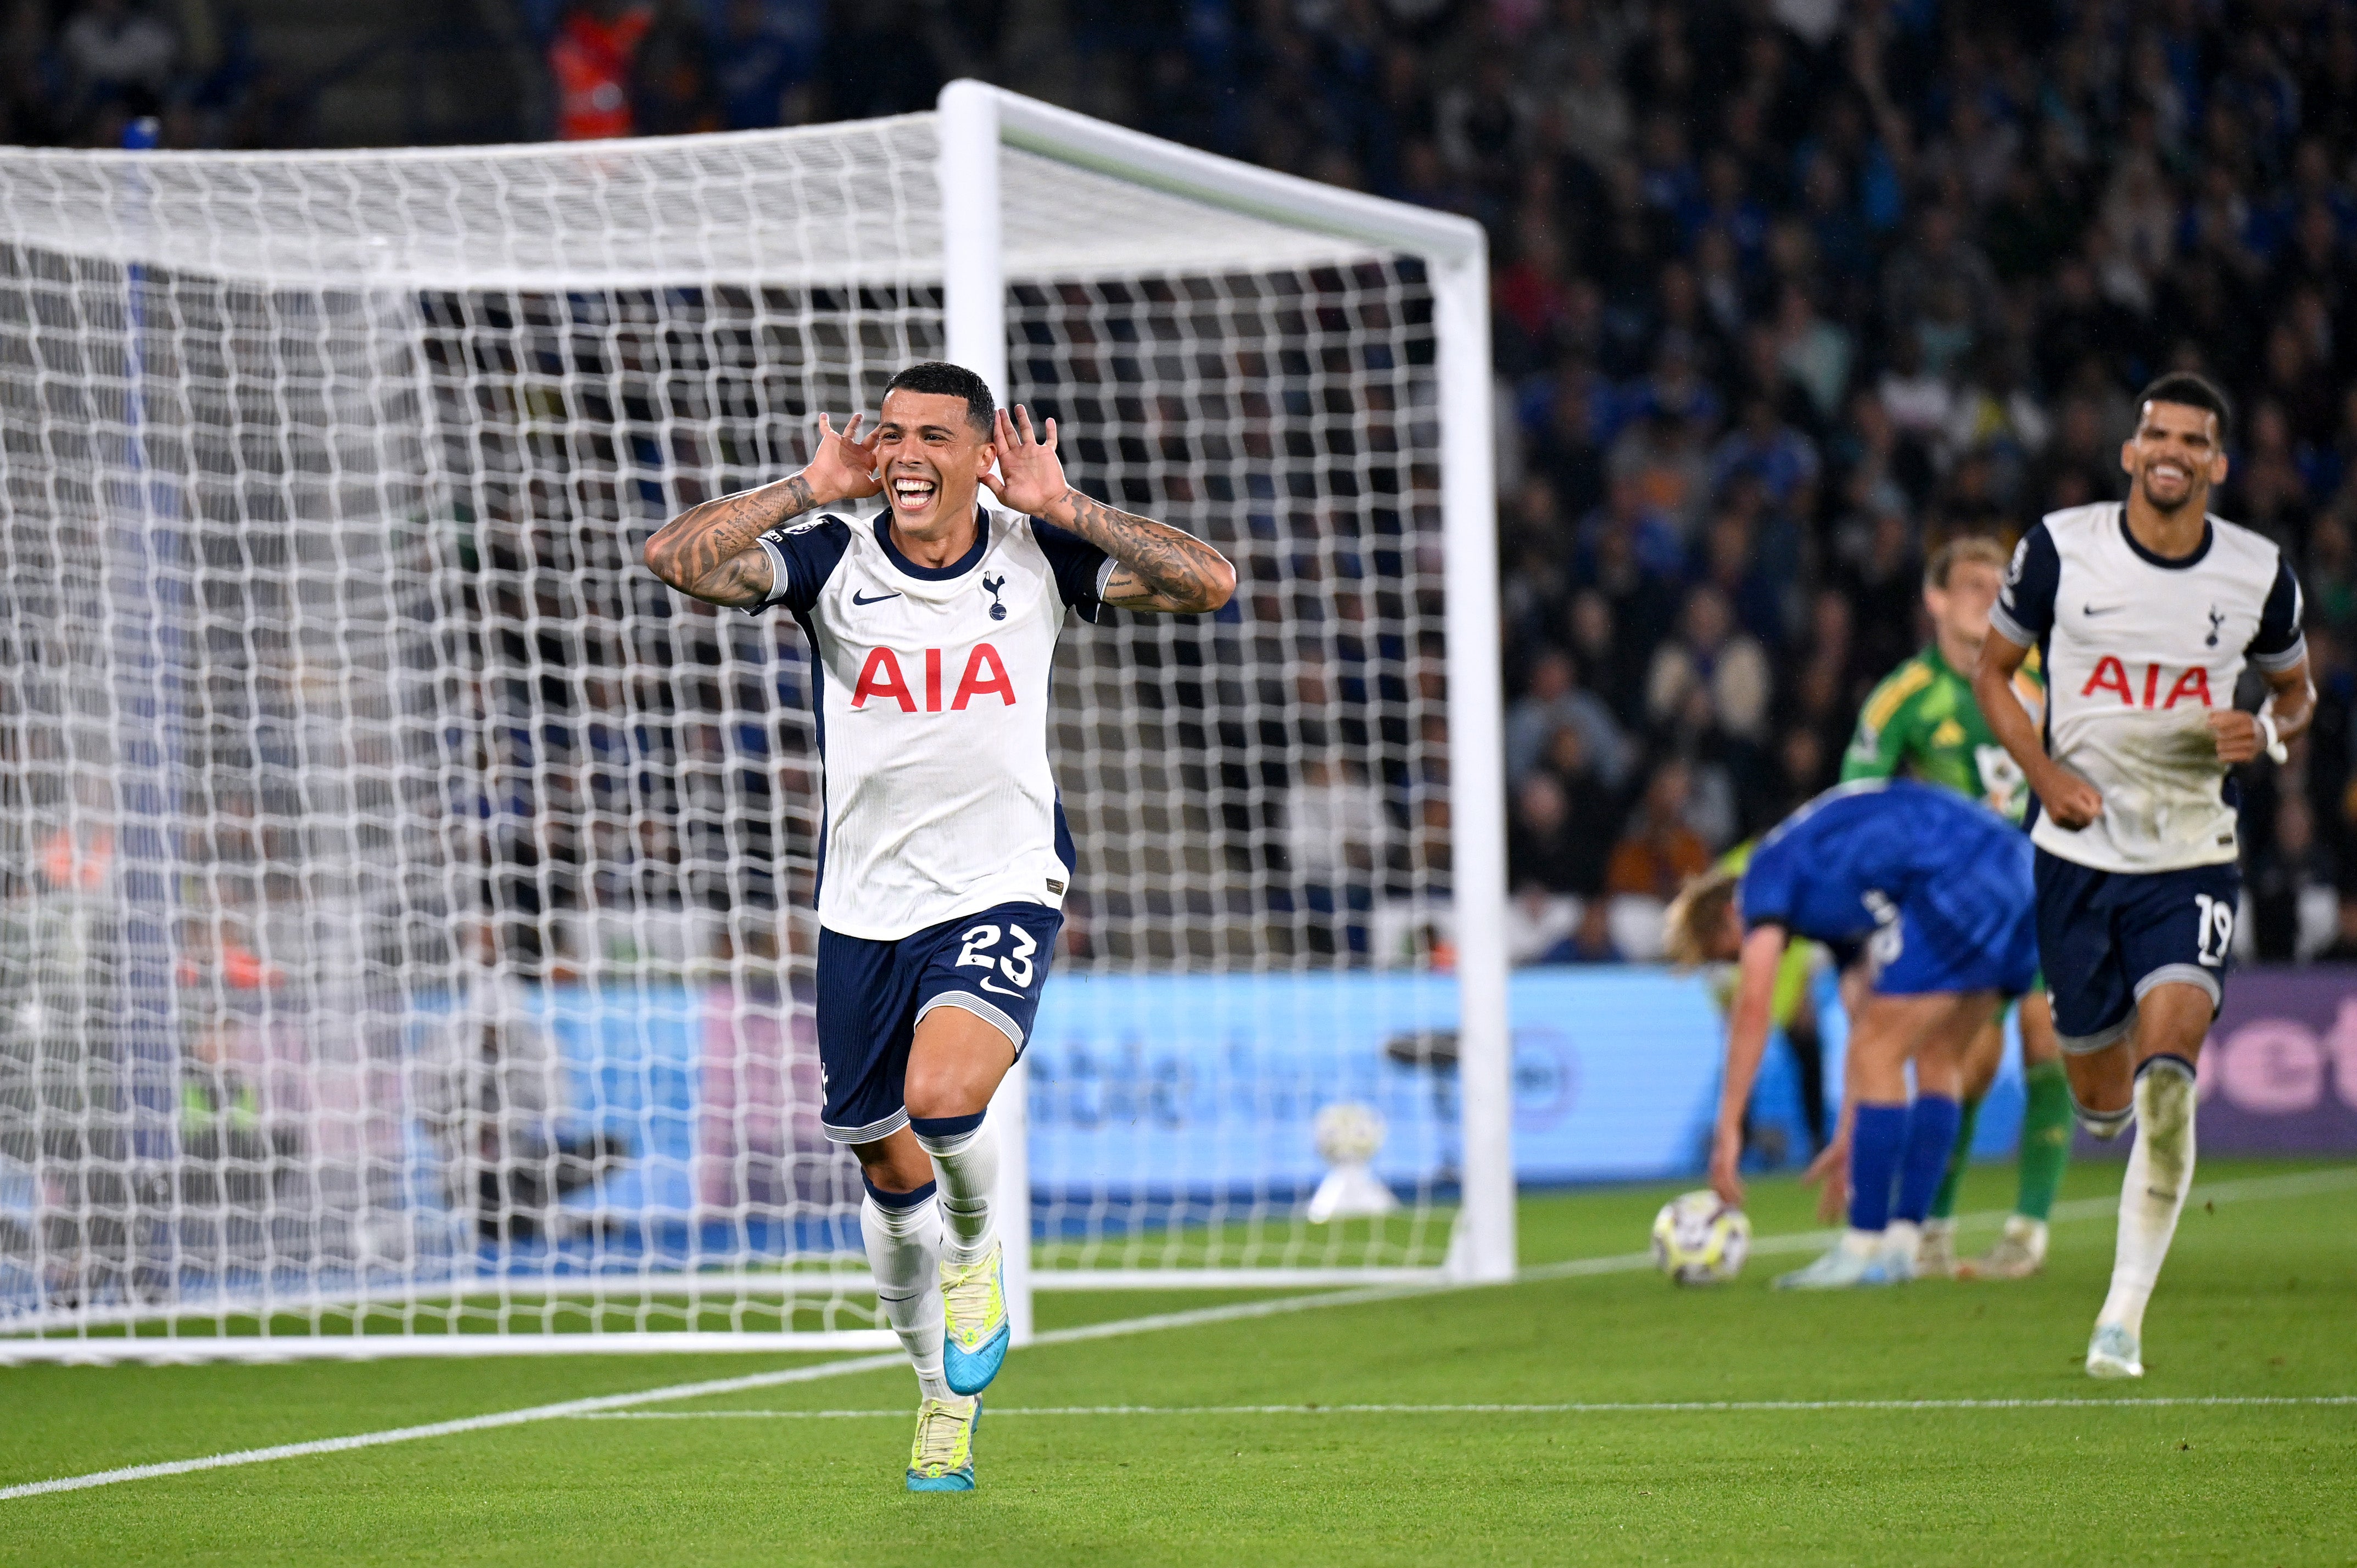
904 1252
2152 1194
967 1165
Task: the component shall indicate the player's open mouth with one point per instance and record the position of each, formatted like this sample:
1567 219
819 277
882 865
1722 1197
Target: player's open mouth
913 494
2169 474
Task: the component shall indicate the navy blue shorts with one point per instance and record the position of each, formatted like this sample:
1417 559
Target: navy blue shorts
1974 928
2108 937
871 994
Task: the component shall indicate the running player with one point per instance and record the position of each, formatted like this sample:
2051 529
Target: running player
1921 721
2144 614
933 626
1938 891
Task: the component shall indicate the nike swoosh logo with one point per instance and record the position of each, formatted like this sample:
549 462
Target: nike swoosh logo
2090 609
877 600
1002 990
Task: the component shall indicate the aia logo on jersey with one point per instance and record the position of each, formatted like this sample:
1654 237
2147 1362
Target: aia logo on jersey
2191 685
881 677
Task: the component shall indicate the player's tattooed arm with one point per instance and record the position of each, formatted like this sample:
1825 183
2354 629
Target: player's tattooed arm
1156 566
713 552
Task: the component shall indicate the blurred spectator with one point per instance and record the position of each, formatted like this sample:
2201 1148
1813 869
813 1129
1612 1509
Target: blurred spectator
1711 656
1591 938
2279 872
1544 846
672 90
1658 851
593 58
1555 701
765 51
117 52
1590 805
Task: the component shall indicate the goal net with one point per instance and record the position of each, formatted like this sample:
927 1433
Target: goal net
407 944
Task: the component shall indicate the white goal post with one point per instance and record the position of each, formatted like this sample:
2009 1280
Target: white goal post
404 931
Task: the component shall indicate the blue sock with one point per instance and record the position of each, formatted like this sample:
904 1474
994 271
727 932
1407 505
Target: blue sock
1931 1135
1875 1140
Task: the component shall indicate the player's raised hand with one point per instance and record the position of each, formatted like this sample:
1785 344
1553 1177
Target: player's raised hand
844 466
1030 477
2069 798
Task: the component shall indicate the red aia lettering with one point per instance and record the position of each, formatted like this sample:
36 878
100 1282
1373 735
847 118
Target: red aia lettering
881 677
972 684
2110 675
2193 683
985 674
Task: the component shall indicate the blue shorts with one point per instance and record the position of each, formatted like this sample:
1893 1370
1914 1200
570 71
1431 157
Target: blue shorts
871 994
2108 937
1974 928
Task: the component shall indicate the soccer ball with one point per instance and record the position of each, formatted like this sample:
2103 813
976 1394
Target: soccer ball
1349 1133
1698 1241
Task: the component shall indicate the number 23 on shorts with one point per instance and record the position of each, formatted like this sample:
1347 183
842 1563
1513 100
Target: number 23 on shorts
1015 965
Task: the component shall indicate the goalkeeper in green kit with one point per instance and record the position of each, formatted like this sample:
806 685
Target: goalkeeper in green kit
1923 722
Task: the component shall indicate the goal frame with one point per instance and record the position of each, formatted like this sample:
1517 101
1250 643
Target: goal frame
973 123
976 120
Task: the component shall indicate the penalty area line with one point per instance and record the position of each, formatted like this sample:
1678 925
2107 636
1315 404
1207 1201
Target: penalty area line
2088 1208
1582 1407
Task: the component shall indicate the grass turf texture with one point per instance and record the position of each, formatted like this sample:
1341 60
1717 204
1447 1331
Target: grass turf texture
2260 1299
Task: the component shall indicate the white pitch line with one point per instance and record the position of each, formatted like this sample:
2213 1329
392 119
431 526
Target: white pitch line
2223 1192
1669 1407
581 1407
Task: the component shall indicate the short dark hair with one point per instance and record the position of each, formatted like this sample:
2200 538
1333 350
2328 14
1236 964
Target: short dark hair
939 378
2194 392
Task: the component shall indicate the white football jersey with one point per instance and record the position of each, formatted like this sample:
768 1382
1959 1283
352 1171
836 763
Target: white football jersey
2138 649
932 714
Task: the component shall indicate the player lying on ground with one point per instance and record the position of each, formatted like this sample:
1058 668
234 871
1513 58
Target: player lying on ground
1923 721
933 625
1938 890
2143 614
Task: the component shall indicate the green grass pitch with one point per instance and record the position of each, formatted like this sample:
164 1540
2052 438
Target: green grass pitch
2259 1303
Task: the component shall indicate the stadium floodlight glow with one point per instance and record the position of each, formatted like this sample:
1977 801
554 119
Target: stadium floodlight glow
405 933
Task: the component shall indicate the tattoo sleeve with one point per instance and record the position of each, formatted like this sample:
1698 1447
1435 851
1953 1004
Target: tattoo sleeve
713 552
1158 567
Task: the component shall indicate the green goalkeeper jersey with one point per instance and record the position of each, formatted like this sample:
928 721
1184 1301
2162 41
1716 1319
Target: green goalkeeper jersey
1923 722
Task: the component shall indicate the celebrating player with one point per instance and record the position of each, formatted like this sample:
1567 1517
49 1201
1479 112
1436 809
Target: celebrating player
946 858
1938 890
1923 721
2144 615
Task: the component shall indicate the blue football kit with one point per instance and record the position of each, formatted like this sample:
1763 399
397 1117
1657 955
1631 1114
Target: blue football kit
1938 889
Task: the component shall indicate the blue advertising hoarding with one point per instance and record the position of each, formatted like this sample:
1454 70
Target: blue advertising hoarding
1213 1081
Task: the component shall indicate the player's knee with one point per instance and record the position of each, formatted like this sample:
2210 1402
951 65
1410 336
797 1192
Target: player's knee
895 1163
937 1094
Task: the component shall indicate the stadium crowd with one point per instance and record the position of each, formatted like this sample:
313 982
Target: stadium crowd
1786 292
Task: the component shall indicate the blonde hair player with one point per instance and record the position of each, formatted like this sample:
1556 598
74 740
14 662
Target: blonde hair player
1936 892
1923 722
